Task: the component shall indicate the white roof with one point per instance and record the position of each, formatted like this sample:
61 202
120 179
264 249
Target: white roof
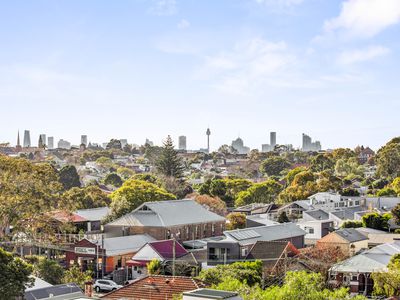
93 214
125 244
38 284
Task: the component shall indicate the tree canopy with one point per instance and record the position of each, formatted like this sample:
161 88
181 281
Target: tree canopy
14 276
168 162
133 193
69 177
263 192
274 165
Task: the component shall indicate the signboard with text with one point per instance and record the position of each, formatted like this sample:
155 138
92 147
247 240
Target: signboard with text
85 250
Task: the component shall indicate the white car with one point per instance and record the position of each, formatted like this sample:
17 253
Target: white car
105 285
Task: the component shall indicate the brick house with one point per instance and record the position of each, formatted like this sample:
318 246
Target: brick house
180 219
349 240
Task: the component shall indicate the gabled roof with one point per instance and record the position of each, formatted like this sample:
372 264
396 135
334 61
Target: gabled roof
372 260
168 213
64 216
125 244
271 251
165 249
264 233
57 292
351 235
155 287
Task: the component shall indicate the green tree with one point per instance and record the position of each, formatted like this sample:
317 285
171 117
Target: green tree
388 159
114 144
274 165
283 218
113 179
154 267
386 192
263 192
321 162
249 272
50 271
14 276
132 194
69 177
303 185
396 213
292 173
28 192
169 163
396 185
352 224
88 197
376 221
350 192
75 275
236 220
214 204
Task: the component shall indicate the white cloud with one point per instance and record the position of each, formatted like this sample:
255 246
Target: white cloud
361 55
249 65
364 18
164 8
280 2
183 24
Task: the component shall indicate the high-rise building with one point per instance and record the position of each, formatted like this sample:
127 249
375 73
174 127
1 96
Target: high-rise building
148 142
62 144
124 142
309 145
182 142
18 146
208 132
239 146
27 139
272 139
50 142
84 140
43 137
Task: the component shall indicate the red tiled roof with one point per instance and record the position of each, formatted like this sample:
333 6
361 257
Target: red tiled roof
63 216
155 287
164 248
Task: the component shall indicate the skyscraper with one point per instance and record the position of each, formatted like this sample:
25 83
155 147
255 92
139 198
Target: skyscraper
309 145
208 132
84 140
182 142
27 139
50 142
40 142
272 138
18 147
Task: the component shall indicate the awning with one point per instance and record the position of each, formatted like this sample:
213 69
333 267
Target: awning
137 263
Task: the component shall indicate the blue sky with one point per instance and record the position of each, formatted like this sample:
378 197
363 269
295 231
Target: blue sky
142 68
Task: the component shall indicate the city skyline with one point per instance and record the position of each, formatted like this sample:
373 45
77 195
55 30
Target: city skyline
141 69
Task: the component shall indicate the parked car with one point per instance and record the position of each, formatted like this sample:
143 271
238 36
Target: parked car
105 285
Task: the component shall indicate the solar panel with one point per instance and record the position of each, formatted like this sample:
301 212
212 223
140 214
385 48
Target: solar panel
245 234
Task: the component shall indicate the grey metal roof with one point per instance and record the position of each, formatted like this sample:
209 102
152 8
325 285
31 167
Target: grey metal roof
372 260
317 214
211 294
351 235
168 213
346 213
265 233
125 244
57 292
261 219
93 214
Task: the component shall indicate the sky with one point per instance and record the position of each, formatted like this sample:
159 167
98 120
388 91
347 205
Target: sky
140 69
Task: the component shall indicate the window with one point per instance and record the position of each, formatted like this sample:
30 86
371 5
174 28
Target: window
168 234
357 202
213 229
244 252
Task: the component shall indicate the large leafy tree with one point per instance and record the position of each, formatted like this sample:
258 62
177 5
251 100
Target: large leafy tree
248 272
236 220
88 197
376 221
50 271
214 204
274 165
75 275
27 193
388 159
132 194
263 192
69 177
113 179
303 185
321 162
169 163
14 276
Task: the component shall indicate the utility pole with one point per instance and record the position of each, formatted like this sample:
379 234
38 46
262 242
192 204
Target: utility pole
102 256
173 256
